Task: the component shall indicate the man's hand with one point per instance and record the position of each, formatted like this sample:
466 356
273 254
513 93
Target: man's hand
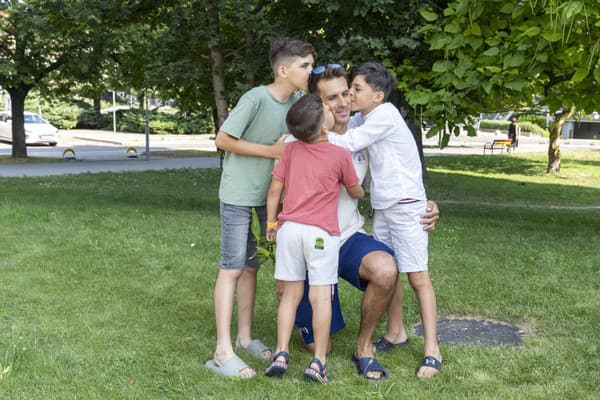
429 219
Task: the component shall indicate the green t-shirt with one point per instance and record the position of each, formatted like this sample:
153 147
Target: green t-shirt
259 118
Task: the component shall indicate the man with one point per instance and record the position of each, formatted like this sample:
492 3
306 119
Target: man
364 262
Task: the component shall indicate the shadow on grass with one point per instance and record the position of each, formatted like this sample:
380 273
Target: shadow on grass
490 164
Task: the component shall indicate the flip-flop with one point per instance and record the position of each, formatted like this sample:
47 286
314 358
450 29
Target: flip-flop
230 368
430 362
369 364
382 344
256 349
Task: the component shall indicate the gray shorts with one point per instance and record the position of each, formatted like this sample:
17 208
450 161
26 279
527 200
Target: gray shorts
238 247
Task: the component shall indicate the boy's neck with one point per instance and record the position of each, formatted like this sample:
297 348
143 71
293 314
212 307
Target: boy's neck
367 111
281 91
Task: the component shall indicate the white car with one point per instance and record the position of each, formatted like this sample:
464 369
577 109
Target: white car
37 129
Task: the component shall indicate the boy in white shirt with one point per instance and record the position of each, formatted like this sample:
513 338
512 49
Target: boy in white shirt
397 195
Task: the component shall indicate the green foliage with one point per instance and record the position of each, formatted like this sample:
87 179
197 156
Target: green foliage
493 124
163 123
526 126
506 54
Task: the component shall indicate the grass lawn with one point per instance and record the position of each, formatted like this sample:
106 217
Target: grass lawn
106 285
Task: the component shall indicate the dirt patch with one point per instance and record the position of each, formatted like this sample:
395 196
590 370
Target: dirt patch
471 331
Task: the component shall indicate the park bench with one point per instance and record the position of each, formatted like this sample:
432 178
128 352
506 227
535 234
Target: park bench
498 144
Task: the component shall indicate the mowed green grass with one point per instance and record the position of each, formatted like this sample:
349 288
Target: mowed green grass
106 287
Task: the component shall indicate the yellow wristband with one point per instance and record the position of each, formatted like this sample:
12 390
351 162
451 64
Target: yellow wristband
271 224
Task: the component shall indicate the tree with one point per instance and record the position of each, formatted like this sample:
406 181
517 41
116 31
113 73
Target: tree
48 44
530 53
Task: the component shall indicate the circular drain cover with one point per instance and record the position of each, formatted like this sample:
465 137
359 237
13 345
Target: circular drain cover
475 332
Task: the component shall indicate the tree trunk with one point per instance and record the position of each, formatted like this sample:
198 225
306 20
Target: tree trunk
17 100
218 78
414 125
217 60
249 39
97 105
554 142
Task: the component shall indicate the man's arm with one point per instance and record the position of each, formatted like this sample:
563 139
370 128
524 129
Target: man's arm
226 142
429 219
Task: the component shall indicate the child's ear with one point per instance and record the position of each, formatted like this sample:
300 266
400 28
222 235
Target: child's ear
379 96
282 71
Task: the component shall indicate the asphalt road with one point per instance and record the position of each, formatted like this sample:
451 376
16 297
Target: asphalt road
102 151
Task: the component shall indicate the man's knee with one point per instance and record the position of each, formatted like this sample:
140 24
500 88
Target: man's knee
380 269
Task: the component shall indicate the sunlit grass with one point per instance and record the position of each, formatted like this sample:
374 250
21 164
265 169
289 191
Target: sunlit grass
106 285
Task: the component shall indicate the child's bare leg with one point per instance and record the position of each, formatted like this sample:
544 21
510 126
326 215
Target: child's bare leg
291 294
225 286
246 295
421 283
320 301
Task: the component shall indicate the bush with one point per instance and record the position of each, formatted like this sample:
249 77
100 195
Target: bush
163 123
494 124
526 126
538 120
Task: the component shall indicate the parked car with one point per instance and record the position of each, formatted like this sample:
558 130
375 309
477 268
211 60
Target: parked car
37 129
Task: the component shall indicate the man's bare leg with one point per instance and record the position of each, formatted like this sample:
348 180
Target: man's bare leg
396 333
379 269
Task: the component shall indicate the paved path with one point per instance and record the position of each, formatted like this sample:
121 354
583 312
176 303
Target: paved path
102 151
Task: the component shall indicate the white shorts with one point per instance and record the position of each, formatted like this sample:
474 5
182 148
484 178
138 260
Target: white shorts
400 228
306 248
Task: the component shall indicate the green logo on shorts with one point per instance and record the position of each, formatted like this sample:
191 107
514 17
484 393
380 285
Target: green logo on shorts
319 243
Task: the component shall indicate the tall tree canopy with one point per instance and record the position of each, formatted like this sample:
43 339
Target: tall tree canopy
529 53
47 43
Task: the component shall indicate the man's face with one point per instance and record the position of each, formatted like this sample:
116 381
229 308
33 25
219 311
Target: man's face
336 94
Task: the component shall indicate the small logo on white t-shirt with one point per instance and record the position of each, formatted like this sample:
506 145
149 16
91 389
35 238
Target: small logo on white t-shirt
359 157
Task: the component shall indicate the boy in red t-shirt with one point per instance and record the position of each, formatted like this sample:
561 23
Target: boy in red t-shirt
311 170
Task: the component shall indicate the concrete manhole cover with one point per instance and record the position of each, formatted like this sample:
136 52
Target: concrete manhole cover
475 332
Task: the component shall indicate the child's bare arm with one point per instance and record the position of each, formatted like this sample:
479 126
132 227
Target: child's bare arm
355 191
226 142
273 199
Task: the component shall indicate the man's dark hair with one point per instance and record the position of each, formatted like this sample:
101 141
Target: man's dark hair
328 74
377 76
284 49
305 117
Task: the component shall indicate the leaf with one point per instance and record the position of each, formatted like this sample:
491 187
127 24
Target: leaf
552 36
515 85
491 52
445 140
453 28
507 8
532 31
514 61
428 15
475 30
580 75
442 66
471 130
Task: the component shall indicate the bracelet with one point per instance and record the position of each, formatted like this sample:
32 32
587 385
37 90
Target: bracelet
271 224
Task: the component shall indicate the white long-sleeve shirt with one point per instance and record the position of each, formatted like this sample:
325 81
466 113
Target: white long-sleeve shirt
393 155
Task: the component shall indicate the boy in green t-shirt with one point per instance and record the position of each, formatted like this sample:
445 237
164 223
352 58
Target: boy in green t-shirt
252 138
